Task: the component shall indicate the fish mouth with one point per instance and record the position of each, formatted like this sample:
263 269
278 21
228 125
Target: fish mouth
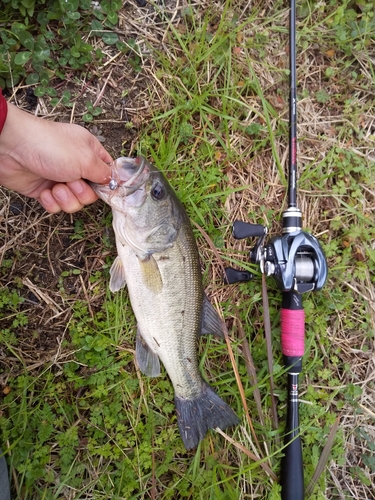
129 173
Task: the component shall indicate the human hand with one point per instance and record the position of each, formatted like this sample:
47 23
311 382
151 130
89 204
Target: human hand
49 161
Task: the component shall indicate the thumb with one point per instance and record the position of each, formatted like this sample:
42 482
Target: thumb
98 169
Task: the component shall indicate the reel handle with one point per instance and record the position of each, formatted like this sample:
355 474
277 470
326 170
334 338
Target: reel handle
234 276
243 230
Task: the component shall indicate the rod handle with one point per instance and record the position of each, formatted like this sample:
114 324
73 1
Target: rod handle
292 346
292 486
292 321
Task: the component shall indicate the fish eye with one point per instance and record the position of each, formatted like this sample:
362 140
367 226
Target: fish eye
158 192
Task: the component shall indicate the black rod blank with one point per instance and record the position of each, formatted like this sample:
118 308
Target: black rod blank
292 178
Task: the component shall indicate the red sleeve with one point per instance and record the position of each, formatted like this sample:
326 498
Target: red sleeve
3 110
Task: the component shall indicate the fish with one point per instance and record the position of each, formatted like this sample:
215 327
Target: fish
158 260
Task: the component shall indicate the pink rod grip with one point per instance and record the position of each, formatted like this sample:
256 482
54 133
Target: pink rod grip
292 332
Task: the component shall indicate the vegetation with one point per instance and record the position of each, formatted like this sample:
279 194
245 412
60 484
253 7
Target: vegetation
202 91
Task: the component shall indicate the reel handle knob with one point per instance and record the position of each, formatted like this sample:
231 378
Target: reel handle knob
234 276
243 230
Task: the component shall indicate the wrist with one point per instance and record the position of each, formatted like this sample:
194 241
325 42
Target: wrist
15 155
18 128
3 110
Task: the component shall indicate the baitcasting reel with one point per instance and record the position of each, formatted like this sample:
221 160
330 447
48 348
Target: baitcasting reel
295 259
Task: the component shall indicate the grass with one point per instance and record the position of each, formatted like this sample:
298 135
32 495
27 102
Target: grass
77 418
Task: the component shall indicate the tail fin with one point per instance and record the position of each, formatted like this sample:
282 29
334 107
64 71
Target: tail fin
196 416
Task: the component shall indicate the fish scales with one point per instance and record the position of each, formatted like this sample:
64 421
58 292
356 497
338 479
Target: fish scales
158 260
175 311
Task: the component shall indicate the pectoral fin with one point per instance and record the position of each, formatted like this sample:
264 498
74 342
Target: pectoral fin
117 273
151 275
211 321
147 360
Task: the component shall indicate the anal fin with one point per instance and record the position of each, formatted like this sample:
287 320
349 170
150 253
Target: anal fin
147 360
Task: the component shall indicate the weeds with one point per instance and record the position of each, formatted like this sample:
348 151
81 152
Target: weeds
48 40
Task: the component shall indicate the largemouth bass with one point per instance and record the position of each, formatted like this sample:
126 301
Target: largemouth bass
158 260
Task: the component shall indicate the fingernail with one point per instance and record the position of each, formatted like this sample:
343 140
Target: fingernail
77 187
61 194
47 200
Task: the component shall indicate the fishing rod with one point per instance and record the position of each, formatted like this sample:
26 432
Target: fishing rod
297 262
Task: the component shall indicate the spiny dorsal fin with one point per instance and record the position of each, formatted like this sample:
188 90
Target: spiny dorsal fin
147 360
